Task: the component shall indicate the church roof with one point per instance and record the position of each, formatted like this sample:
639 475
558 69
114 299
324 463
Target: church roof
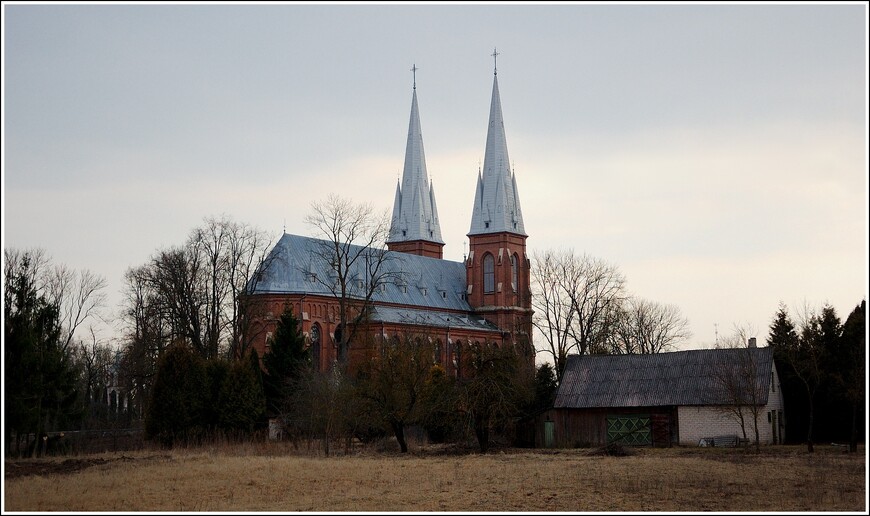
496 200
415 216
294 266
430 318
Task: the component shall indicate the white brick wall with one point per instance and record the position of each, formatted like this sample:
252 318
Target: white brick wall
695 423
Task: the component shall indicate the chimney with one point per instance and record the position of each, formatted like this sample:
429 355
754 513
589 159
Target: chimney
751 342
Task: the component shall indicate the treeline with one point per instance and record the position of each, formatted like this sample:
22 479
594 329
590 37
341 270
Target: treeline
52 380
821 363
58 380
395 386
185 367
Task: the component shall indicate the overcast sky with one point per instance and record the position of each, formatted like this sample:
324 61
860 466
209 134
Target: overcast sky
716 154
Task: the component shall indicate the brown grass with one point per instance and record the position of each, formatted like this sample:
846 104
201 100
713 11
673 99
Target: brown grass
270 477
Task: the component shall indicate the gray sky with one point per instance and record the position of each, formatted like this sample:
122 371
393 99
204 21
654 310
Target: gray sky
716 154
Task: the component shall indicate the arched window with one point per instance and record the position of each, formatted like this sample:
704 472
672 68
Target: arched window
314 338
515 272
488 274
456 358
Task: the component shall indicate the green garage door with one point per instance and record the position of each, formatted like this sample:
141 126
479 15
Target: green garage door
631 430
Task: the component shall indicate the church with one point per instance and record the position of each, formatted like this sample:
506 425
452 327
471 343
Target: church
484 300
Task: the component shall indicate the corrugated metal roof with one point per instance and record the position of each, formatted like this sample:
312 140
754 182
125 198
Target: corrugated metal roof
663 379
420 281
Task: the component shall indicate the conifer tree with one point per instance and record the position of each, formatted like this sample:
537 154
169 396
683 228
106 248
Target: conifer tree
284 362
241 403
40 378
853 367
180 396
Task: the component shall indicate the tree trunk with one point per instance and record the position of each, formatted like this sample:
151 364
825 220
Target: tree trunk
481 429
853 440
810 427
399 430
757 439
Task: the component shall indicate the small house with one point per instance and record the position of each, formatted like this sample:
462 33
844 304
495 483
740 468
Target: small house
698 397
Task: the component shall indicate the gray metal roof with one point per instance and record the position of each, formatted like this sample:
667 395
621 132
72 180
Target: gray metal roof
414 317
496 201
294 267
663 379
415 216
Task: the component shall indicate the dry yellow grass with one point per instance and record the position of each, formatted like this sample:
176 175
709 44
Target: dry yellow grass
246 479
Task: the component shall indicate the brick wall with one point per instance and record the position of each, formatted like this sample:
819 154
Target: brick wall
695 423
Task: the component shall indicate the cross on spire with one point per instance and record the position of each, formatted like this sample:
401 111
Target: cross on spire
414 70
495 61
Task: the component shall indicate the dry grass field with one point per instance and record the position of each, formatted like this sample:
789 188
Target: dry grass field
274 477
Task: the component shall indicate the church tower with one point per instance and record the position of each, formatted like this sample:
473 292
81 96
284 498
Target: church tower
497 268
414 228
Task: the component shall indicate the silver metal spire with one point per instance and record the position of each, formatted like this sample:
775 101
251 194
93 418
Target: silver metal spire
496 201
415 215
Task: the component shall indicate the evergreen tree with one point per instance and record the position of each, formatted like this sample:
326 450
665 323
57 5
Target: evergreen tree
783 339
40 377
241 402
284 362
179 398
217 372
833 409
852 369
545 387
808 359
782 331
438 405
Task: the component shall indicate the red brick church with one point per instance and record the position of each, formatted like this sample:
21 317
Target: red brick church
483 300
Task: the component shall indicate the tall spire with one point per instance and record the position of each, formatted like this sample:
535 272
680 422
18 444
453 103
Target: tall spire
496 201
415 216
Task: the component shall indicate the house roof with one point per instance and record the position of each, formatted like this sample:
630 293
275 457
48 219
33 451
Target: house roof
296 266
663 379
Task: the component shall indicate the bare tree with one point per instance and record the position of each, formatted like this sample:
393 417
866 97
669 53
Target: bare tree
95 359
645 327
554 312
147 335
231 252
576 301
174 275
193 292
198 288
737 382
247 252
353 244
79 295
496 391
393 380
